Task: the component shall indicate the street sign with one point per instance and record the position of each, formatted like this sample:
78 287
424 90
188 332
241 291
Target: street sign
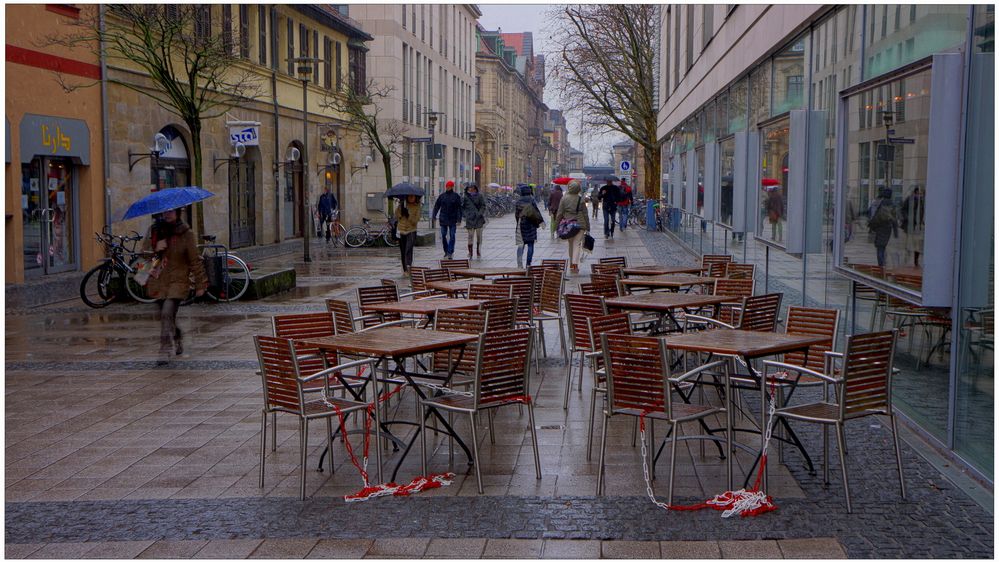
625 165
900 140
890 131
421 139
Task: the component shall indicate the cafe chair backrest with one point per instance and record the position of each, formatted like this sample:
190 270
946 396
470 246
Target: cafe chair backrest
868 362
760 312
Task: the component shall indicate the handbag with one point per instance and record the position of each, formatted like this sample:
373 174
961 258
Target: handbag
146 268
588 242
567 228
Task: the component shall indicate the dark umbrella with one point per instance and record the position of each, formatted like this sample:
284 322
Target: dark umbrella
403 190
609 178
166 200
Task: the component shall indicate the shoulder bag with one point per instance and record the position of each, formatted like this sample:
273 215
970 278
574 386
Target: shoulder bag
567 228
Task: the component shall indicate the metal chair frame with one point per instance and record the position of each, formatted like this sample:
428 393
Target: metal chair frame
578 308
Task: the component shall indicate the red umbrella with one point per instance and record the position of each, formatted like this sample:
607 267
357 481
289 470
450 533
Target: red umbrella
562 181
767 182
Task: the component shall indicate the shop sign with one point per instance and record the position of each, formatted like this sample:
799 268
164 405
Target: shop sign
42 135
249 135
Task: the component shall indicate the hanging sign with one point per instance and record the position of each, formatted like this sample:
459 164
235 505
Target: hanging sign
249 135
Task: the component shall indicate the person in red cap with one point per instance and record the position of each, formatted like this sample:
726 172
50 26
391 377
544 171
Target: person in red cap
448 205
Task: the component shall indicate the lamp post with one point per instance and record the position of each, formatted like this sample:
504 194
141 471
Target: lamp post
432 121
506 164
471 137
304 73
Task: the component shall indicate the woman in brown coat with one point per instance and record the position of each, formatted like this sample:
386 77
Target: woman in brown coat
173 242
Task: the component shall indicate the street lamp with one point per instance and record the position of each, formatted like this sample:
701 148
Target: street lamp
304 73
506 164
471 137
432 121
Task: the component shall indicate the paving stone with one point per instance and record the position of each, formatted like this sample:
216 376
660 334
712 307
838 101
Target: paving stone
62 550
413 548
284 548
629 549
228 548
341 548
749 549
118 549
571 549
513 548
689 549
455 548
828 548
11 551
172 549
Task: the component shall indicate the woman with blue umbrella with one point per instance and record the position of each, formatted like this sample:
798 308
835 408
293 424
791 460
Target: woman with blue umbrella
175 260
407 216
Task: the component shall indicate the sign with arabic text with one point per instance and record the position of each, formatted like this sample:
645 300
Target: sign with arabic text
43 135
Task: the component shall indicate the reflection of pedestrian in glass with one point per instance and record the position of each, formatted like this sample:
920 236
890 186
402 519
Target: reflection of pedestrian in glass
882 223
850 215
913 222
775 212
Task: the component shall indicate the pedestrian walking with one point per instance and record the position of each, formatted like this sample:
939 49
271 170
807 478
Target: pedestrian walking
172 243
407 216
528 218
328 205
608 196
913 223
624 203
571 208
553 200
882 223
775 212
473 210
594 201
448 205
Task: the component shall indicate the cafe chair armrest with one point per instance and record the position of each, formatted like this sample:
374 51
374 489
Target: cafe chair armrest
696 319
339 368
696 371
403 322
803 370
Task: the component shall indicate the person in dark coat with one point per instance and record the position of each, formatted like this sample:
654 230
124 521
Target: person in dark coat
528 219
608 196
882 222
473 210
553 200
448 205
327 206
775 214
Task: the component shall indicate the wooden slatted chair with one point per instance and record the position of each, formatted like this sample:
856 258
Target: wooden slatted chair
455 264
462 322
523 289
578 308
550 309
717 270
708 259
760 313
619 261
375 295
607 269
741 270
284 392
416 280
639 384
488 291
863 388
502 313
537 273
501 379
619 324
607 290
560 264
738 289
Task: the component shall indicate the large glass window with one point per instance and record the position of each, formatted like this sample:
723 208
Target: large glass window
699 154
759 94
886 181
737 106
789 74
727 147
774 150
932 29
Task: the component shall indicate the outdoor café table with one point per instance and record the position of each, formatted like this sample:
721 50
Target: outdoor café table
661 270
453 288
672 282
399 343
749 346
664 304
424 307
486 272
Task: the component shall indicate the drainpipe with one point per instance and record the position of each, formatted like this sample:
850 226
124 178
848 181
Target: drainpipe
104 123
277 151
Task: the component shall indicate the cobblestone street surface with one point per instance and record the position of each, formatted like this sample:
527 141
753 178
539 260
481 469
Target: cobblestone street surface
110 456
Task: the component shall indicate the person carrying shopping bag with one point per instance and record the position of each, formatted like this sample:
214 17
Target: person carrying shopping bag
573 223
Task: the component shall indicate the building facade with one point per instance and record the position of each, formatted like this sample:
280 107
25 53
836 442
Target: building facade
54 145
426 55
575 161
787 127
260 194
510 112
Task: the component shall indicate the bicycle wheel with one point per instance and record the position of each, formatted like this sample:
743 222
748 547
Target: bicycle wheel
391 242
356 237
95 289
136 291
338 232
235 281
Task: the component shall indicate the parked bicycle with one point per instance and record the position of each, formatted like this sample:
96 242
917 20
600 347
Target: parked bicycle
228 274
364 235
114 276
338 232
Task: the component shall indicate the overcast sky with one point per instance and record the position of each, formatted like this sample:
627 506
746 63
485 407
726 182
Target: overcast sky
517 18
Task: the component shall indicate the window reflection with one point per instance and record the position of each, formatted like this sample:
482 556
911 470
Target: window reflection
725 202
789 77
773 180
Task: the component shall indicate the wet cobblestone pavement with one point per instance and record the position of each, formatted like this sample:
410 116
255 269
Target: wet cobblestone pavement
108 455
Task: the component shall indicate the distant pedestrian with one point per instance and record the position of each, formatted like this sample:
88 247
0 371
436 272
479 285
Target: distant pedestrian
609 195
882 222
553 200
407 216
913 223
571 207
595 202
328 205
172 243
473 210
775 214
449 207
528 218
624 203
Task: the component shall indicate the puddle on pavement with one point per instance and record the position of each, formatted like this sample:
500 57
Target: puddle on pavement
306 291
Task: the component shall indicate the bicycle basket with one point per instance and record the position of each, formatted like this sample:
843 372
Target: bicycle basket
215 270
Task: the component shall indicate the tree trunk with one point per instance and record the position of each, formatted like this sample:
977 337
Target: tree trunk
653 171
387 165
198 221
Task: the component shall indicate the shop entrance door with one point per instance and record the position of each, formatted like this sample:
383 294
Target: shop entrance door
242 212
48 202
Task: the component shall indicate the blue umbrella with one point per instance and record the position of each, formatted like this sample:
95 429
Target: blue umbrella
166 200
403 190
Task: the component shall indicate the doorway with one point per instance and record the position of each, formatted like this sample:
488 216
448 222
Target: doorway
49 207
242 203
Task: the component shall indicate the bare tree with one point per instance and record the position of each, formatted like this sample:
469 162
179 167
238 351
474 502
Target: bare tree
606 72
191 63
363 111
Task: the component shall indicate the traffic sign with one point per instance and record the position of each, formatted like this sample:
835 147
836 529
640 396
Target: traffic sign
625 165
900 140
421 139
